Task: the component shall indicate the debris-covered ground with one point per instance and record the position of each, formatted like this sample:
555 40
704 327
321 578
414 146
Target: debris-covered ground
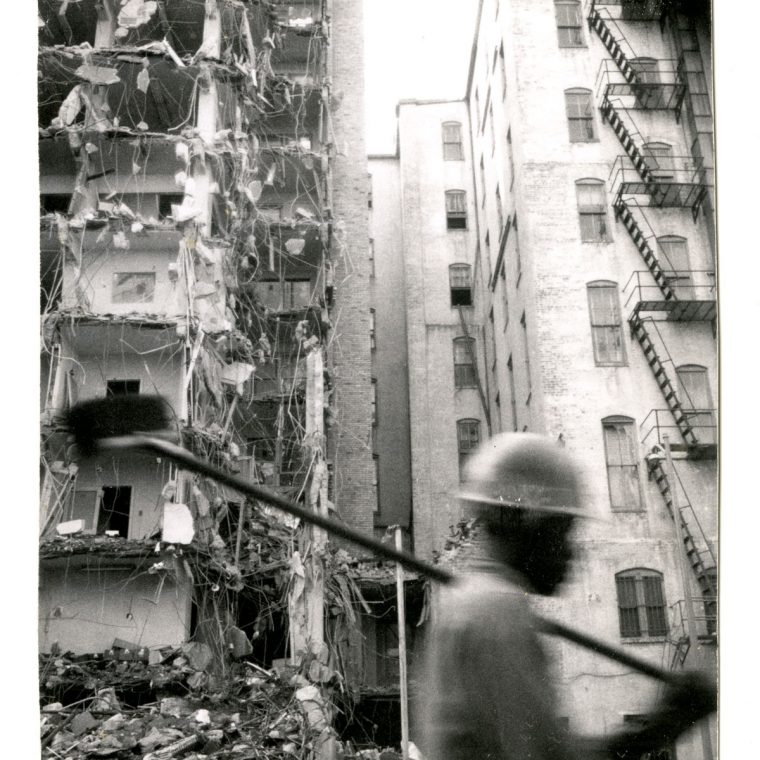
174 709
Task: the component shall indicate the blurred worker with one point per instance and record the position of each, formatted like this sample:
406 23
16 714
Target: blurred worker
487 691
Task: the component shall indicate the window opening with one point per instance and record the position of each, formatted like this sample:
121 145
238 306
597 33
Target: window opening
460 284
621 455
569 23
468 439
592 210
659 158
580 115
606 323
464 369
122 388
696 401
165 203
372 342
675 265
114 511
456 210
133 287
452 141
641 604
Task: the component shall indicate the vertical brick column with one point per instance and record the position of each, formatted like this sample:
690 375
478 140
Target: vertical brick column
350 436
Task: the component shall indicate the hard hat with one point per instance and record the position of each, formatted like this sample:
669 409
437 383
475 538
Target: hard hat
523 470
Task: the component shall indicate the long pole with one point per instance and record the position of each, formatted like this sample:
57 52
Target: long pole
401 608
691 623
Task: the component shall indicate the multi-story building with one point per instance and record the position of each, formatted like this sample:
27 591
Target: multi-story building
558 239
203 237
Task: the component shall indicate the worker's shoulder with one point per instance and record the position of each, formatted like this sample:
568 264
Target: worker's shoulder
479 596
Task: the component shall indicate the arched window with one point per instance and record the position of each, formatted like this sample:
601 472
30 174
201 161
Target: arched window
456 210
696 401
452 141
606 324
675 263
592 210
621 453
580 115
460 284
468 439
569 23
464 368
659 159
641 604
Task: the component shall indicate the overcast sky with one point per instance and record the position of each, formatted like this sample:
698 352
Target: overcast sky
413 49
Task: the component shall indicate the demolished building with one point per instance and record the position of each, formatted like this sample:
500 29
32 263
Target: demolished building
203 237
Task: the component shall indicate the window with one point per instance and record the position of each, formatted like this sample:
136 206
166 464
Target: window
569 24
55 203
526 354
460 283
512 394
620 450
675 265
606 325
647 89
113 514
284 295
373 400
468 438
372 341
659 159
641 604
696 401
580 115
133 287
464 369
122 388
165 203
456 210
452 141
591 210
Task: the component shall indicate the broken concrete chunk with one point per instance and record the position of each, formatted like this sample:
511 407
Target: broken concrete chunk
83 722
70 527
202 716
174 706
101 75
295 246
135 13
106 702
177 525
199 655
238 642
143 80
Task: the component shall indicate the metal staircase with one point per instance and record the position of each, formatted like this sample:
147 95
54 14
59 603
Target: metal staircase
624 212
627 137
602 23
646 338
698 551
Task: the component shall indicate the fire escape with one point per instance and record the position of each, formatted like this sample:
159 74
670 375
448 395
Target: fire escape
646 178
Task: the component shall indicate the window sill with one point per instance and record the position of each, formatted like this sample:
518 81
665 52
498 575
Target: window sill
628 510
584 142
643 639
611 364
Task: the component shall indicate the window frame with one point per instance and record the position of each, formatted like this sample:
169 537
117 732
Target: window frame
456 289
594 214
666 155
467 444
634 466
569 35
456 218
650 622
447 142
702 418
464 370
573 119
603 328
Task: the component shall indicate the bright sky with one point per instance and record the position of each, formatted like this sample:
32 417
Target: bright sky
413 49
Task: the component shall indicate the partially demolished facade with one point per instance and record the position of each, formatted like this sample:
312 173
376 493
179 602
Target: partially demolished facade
203 237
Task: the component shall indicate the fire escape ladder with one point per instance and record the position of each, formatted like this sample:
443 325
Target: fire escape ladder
646 341
627 136
474 361
695 542
602 23
624 211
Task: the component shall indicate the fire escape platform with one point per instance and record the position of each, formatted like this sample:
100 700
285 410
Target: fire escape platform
680 310
664 193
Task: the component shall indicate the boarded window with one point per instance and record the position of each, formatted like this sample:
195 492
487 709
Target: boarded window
592 210
456 210
569 23
460 284
622 463
606 324
464 369
468 439
284 295
452 141
641 604
133 287
580 115
659 159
